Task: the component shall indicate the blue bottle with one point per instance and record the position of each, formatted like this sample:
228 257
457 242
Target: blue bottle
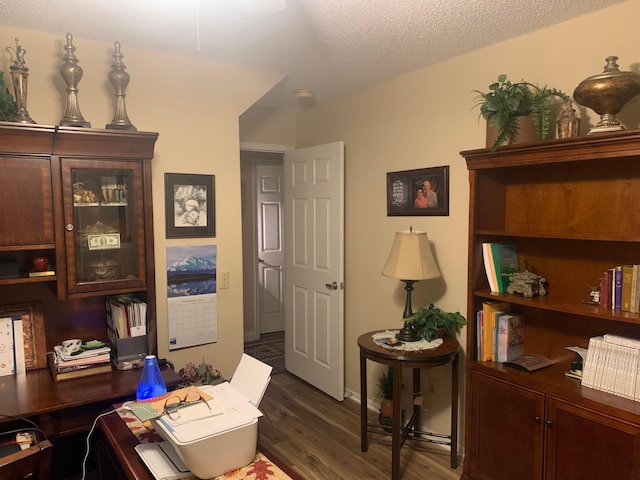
151 382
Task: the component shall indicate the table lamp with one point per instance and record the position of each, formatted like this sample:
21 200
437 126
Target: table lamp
410 260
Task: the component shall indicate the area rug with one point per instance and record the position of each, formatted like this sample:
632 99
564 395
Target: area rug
268 349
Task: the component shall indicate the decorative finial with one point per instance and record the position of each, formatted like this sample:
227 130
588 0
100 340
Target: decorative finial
119 78
19 75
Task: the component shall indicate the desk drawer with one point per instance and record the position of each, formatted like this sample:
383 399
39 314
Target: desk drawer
72 420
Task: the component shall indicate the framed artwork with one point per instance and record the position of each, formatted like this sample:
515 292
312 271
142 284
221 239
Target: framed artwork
424 191
189 205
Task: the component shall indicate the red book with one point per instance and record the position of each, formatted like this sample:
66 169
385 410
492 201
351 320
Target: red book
605 289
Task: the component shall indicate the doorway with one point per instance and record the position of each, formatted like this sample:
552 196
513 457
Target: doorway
262 243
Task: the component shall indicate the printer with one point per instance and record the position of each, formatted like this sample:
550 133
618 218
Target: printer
222 437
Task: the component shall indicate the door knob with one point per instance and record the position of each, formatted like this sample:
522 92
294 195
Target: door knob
331 286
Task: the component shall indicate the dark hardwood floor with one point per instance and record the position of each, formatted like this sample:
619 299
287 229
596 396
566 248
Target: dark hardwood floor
319 438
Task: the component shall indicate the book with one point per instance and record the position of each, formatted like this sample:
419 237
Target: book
46 273
617 288
18 345
605 289
7 358
621 340
635 290
505 259
588 369
489 267
627 281
529 363
510 337
489 310
80 373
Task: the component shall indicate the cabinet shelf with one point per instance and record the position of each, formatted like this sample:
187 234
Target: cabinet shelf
550 303
502 235
26 279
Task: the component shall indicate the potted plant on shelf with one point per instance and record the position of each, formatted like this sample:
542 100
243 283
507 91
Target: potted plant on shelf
432 322
384 394
8 107
506 104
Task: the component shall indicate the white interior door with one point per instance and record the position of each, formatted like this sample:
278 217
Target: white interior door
270 248
314 264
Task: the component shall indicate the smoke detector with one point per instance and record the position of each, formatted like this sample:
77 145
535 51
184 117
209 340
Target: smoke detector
305 98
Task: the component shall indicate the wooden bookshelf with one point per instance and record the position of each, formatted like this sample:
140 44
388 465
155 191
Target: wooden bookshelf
571 207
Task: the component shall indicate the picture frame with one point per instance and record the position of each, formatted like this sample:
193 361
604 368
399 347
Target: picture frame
190 205
419 192
33 334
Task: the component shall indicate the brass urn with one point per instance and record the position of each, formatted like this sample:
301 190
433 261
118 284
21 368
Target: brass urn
607 94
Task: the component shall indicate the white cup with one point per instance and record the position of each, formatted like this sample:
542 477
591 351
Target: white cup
71 346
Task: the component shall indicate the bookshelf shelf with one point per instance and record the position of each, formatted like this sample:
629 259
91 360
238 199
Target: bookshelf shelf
566 205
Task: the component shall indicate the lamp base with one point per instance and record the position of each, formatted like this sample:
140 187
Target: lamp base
408 333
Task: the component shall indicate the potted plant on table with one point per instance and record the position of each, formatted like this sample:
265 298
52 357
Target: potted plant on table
506 103
384 394
432 322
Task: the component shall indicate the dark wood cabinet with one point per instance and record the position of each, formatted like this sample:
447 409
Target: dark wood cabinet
570 207
81 198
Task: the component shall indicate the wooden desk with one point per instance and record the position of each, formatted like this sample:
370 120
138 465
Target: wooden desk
116 458
69 407
397 359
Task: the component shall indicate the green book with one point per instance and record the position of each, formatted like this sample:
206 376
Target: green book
505 257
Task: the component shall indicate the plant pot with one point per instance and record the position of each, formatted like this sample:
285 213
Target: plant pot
386 414
526 132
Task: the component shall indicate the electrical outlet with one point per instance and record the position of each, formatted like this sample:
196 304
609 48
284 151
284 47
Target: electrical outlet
223 279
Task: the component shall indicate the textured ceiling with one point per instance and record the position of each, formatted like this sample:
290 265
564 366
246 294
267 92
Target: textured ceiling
327 46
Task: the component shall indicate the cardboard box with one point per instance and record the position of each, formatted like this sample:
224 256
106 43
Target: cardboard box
231 432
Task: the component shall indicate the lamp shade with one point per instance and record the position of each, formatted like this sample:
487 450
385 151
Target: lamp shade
410 257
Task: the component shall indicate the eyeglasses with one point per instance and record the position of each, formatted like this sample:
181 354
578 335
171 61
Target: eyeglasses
174 403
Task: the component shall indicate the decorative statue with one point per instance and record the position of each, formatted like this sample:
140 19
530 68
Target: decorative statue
526 283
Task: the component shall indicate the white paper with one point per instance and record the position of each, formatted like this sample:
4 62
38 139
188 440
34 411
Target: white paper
580 351
160 464
251 378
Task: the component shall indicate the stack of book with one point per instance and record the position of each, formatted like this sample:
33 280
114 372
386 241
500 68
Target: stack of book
613 365
500 261
620 288
90 361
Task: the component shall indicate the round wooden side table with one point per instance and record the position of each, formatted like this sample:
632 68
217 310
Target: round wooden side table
446 353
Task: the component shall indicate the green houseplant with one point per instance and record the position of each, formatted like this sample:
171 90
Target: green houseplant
8 107
432 322
384 394
506 102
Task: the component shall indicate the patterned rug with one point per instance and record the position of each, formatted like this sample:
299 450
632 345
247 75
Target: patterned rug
269 349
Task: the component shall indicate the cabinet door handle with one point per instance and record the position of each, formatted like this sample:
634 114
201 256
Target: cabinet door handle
69 227
538 420
549 423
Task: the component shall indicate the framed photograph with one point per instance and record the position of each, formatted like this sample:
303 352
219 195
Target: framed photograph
190 205
424 191
34 341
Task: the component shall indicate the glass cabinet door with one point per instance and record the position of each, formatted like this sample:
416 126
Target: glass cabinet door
104 225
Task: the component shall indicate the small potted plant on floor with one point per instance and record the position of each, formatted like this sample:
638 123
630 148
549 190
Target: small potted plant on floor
506 104
432 322
384 394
